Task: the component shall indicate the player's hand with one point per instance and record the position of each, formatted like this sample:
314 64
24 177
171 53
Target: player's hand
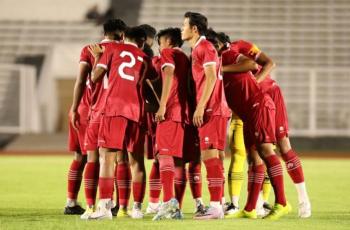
160 115
96 50
75 120
198 116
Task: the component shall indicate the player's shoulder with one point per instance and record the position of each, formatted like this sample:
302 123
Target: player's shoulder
205 44
229 55
109 44
243 43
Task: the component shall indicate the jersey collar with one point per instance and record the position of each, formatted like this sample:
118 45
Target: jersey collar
201 38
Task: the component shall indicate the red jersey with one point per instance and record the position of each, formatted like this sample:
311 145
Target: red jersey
204 54
84 105
176 106
99 89
156 65
125 64
241 89
251 51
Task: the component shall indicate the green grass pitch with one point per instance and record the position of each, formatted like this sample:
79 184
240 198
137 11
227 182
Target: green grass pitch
33 189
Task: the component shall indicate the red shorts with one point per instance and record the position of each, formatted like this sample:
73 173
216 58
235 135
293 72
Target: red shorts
281 112
260 126
169 138
191 150
76 138
92 130
118 132
212 134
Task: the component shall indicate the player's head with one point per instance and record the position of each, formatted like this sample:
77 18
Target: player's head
169 37
150 32
223 40
136 35
115 29
194 25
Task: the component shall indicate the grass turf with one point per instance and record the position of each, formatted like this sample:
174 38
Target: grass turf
33 189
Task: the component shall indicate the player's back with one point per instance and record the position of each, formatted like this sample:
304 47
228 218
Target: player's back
99 89
241 89
251 51
126 68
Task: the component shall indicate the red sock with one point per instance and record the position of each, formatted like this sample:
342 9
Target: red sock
274 169
253 194
90 181
138 191
223 182
105 187
215 178
250 177
124 183
166 168
155 185
293 166
195 178
180 184
74 178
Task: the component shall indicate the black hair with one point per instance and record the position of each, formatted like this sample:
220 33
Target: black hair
116 26
211 36
150 30
113 25
136 34
224 38
173 33
198 20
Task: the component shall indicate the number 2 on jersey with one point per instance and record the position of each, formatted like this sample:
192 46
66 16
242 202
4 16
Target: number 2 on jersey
127 64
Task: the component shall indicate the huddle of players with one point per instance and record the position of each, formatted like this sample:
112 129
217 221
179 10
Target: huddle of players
112 113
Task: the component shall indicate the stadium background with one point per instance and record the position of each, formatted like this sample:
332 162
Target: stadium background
40 42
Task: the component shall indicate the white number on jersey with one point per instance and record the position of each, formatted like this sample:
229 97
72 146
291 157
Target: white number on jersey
127 64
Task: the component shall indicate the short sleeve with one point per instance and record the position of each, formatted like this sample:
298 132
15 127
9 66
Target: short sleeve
105 60
249 49
208 54
85 56
167 58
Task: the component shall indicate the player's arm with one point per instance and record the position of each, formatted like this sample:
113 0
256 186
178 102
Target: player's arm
168 72
79 86
267 65
209 84
244 64
99 70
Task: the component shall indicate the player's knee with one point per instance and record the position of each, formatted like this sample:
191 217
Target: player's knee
78 156
284 145
266 150
92 156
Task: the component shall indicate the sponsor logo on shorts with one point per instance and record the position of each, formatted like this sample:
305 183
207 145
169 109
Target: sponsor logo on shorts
206 139
165 150
256 134
256 104
281 129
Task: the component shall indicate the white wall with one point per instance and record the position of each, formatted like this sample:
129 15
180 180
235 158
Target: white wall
66 10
